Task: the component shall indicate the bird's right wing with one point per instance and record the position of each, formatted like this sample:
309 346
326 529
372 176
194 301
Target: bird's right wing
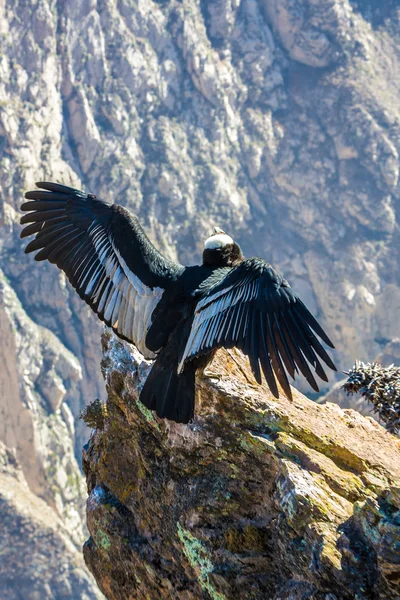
256 310
105 254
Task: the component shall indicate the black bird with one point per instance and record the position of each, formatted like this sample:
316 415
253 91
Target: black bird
175 314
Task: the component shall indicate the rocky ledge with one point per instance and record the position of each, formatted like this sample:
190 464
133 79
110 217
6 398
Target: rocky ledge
256 499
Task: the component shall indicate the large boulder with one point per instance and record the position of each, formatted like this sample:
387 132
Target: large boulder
256 498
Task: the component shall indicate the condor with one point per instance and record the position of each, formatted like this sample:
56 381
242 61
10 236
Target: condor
175 314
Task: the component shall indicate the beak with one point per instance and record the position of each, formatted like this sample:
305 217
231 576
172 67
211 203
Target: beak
218 230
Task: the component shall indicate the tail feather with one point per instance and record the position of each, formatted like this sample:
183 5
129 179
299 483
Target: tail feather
171 395
166 396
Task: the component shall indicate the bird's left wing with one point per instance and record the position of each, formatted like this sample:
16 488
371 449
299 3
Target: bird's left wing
105 254
256 310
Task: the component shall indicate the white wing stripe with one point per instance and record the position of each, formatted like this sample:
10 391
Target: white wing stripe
122 315
125 301
124 285
118 277
148 309
85 271
209 318
195 337
110 265
93 226
127 326
78 266
98 288
103 254
135 281
226 300
93 281
100 243
114 317
117 305
110 305
209 299
109 301
96 234
213 330
104 298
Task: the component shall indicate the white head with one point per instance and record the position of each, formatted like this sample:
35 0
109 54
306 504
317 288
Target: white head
221 251
218 239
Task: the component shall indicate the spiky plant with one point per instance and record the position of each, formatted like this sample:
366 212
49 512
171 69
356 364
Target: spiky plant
94 414
380 386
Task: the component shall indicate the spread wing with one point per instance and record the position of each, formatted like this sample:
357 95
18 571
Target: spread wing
256 310
105 254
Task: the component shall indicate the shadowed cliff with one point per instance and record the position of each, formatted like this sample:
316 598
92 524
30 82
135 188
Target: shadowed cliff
256 498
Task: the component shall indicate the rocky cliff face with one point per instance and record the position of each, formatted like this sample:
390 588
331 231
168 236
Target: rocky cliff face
278 121
38 559
255 499
41 486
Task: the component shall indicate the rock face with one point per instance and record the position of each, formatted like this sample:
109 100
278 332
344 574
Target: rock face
36 419
276 120
41 486
38 559
256 498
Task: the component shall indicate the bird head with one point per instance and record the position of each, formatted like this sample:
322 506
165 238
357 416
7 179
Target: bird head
221 250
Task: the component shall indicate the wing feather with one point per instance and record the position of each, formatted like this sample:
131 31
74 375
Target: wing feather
298 357
43 215
256 310
104 253
283 347
275 358
305 347
254 345
264 358
316 345
303 311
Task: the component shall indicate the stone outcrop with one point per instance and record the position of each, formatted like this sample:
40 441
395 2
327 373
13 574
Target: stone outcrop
256 498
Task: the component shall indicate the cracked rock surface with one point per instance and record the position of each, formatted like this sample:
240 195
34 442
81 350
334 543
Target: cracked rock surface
256 498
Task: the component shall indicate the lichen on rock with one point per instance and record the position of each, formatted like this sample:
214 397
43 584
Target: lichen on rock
257 496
